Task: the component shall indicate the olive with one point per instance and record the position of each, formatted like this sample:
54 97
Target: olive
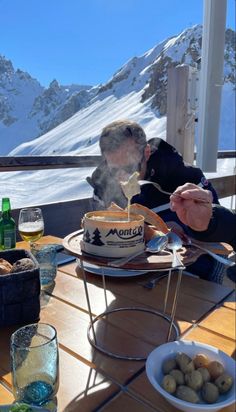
168 365
194 380
187 394
210 392
200 360
178 376
185 363
182 358
215 369
224 383
169 384
206 377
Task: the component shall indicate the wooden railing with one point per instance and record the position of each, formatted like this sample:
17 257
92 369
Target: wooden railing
64 217
19 163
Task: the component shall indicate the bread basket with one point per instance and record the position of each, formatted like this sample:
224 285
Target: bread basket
19 292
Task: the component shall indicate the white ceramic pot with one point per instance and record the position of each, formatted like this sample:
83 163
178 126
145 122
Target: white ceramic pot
111 234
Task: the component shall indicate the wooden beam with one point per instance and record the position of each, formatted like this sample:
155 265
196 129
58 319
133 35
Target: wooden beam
223 154
20 163
180 122
9 164
225 186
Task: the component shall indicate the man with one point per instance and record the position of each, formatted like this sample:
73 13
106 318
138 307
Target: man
207 222
124 150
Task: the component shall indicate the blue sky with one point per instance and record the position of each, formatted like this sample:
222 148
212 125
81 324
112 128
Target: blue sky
86 41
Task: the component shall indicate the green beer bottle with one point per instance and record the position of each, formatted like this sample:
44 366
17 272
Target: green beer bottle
7 226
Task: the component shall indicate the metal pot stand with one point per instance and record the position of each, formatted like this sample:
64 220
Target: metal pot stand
72 244
91 333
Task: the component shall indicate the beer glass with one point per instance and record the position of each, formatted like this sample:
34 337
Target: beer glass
34 363
31 224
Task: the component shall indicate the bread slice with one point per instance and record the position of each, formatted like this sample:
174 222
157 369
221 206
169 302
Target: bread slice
149 217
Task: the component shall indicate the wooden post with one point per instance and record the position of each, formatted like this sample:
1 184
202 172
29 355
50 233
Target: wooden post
180 119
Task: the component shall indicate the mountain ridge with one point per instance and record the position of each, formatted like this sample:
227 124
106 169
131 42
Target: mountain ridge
137 90
26 106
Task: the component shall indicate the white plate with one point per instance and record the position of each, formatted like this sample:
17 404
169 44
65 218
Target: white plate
98 270
191 348
6 408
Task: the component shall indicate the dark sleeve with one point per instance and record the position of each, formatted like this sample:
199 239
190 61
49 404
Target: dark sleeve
222 227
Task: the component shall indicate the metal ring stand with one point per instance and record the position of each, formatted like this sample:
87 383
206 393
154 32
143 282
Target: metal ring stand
91 334
108 312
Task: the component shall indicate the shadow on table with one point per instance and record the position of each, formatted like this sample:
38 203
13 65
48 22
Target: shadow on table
122 333
231 274
5 336
98 392
46 294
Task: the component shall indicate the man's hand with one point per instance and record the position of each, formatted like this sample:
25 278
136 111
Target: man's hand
189 208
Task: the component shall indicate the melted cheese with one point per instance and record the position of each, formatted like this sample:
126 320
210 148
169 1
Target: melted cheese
131 187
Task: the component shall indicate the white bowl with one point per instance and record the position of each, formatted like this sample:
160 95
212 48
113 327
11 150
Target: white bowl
165 351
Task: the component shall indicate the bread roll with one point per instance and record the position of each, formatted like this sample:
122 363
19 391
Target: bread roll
22 264
5 267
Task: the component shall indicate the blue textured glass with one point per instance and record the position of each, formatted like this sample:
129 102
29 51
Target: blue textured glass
34 363
46 257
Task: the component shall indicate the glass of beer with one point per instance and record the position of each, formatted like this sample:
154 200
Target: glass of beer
31 224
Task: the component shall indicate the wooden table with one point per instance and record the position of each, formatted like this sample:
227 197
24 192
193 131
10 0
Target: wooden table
91 381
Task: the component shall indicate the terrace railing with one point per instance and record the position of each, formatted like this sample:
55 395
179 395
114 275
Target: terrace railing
19 163
64 217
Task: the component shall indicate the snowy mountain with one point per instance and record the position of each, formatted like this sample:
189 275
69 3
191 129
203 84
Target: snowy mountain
28 110
136 91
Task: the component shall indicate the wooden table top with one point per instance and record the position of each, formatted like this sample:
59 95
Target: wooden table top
90 380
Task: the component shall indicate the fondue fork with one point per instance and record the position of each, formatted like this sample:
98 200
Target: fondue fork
158 187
